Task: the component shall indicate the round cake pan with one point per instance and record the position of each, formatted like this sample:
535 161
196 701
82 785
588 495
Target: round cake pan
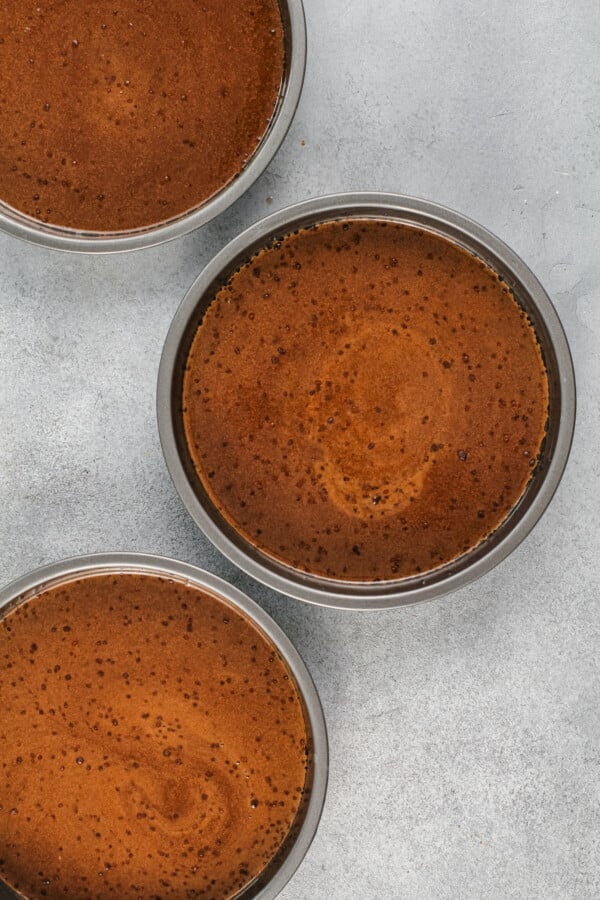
528 292
273 879
20 225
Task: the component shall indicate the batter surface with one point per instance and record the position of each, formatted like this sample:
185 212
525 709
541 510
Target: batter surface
119 114
152 743
365 401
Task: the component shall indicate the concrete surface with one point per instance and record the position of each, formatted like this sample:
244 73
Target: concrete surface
465 733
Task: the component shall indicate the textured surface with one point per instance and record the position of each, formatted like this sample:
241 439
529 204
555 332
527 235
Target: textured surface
395 451
103 124
164 727
464 733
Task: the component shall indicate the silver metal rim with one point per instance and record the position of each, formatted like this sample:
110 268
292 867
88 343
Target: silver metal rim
19 225
43 578
508 536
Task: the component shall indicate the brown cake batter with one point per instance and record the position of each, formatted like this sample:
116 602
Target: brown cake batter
365 401
119 114
152 743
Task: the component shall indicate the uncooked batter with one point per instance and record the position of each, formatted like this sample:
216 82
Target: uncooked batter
118 114
365 401
152 743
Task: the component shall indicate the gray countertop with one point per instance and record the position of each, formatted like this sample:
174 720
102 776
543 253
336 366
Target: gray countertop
465 733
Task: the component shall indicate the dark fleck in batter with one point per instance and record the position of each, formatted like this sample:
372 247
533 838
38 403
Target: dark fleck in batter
364 400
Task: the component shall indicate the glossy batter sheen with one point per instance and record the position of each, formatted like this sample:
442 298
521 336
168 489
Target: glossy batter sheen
118 114
152 743
365 401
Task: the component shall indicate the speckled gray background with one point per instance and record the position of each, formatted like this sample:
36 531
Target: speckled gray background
465 733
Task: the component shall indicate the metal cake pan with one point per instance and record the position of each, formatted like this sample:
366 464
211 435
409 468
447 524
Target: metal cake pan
272 880
22 226
528 292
